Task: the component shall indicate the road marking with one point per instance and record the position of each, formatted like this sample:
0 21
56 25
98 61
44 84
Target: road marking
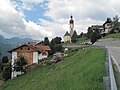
115 61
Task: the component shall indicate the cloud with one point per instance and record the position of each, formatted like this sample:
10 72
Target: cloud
35 31
115 5
57 29
13 23
10 19
85 13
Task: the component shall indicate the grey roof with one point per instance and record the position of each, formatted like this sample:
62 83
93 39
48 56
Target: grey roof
67 34
108 21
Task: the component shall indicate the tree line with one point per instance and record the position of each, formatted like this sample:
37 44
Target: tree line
55 44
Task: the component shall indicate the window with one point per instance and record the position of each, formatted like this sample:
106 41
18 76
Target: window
28 48
21 48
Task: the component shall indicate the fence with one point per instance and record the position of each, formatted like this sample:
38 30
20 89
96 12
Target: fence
109 80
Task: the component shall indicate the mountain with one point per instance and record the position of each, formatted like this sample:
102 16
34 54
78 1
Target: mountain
7 43
17 40
3 40
4 46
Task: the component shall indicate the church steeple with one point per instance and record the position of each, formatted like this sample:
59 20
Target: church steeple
68 35
71 22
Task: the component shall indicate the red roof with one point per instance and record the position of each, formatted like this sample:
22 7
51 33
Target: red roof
43 47
33 45
39 46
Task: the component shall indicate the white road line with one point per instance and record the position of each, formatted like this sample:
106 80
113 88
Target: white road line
115 61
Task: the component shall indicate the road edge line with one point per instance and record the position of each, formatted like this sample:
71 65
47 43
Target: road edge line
116 63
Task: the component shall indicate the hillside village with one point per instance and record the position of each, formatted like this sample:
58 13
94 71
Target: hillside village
32 54
59 44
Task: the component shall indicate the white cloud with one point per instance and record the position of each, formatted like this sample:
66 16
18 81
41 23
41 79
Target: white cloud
115 5
35 31
10 19
57 29
82 25
13 23
85 12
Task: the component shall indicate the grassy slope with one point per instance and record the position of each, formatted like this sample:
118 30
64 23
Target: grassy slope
81 71
117 35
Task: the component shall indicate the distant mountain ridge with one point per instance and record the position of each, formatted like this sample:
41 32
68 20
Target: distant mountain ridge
3 40
17 40
7 43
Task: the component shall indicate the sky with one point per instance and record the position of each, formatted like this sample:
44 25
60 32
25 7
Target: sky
37 19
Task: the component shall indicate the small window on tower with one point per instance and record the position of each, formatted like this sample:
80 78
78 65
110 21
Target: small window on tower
21 48
28 48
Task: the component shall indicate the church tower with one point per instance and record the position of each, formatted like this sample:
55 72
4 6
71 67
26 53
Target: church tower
68 35
71 22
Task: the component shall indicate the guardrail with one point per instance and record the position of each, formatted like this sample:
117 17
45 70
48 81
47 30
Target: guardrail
109 80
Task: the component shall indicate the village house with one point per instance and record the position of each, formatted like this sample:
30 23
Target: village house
107 26
32 51
99 27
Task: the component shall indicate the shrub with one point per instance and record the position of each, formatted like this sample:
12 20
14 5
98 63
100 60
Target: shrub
21 61
5 59
7 72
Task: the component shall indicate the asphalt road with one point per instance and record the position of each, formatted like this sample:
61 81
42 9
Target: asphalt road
113 46
115 52
115 55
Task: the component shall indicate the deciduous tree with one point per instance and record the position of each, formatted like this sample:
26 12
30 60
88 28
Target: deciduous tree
7 72
116 25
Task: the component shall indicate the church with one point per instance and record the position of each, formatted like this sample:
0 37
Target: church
68 35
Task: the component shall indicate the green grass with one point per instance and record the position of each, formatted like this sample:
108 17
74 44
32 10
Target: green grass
83 70
117 35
